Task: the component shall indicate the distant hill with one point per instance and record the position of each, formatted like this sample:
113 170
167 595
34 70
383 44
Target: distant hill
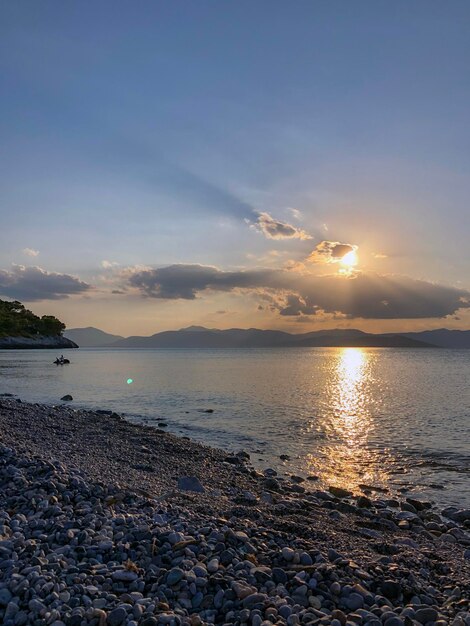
443 337
91 337
198 337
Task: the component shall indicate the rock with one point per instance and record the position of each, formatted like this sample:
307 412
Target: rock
5 597
190 483
125 575
419 505
462 516
67 398
288 554
272 484
354 601
339 615
243 455
390 589
174 576
279 575
339 492
425 615
393 621
253 599
241 590
333 555
117 616
234 459
213 566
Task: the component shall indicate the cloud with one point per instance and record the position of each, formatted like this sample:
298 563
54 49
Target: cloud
30 252
107 265
186 281
33 283
297 305
330 252
274 229
292 293
296 214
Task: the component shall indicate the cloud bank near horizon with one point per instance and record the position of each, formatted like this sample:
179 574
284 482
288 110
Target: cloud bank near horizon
364 295
289 293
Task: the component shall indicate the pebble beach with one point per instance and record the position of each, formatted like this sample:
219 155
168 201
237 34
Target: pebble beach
104 522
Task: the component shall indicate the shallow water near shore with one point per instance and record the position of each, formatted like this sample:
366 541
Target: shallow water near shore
397 419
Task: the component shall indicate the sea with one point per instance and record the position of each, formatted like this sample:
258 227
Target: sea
395 419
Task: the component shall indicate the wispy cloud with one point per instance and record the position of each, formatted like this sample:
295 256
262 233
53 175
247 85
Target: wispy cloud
107 265
30 252
275 229
296 214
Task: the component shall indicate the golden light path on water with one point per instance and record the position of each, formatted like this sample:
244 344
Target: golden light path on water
349 423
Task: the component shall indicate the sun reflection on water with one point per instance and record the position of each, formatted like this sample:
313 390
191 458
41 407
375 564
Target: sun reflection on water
348 424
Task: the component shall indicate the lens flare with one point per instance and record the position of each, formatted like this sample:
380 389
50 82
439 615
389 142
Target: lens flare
130 381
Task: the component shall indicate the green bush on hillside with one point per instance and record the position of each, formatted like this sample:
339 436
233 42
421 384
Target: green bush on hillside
16 321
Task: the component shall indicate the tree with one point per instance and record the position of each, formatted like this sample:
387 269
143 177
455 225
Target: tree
16 321
51 326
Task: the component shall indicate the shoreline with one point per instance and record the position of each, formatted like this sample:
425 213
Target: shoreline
37 343
103 497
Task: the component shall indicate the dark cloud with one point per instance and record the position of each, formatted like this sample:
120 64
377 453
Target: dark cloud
296 305
364 295
33 283
372 296
185 281
274 229
330 252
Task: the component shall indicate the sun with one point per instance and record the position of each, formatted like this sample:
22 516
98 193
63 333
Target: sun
349 260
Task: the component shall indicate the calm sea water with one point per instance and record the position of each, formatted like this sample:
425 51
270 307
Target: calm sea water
388 417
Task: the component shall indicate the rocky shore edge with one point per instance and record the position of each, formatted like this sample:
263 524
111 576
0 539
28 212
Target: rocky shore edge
104 522
38 343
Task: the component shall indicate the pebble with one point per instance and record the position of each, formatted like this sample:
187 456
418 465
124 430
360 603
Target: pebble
117 616
76 553
174 576
190 483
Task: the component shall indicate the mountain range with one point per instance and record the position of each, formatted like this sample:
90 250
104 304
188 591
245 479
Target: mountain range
200 337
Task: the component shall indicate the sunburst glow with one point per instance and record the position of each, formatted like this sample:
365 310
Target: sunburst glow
349 259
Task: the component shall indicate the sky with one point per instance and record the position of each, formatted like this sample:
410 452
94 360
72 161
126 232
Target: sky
272 164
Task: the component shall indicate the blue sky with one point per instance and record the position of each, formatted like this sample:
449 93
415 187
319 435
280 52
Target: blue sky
155 134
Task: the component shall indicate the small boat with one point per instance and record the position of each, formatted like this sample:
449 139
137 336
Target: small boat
61 362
